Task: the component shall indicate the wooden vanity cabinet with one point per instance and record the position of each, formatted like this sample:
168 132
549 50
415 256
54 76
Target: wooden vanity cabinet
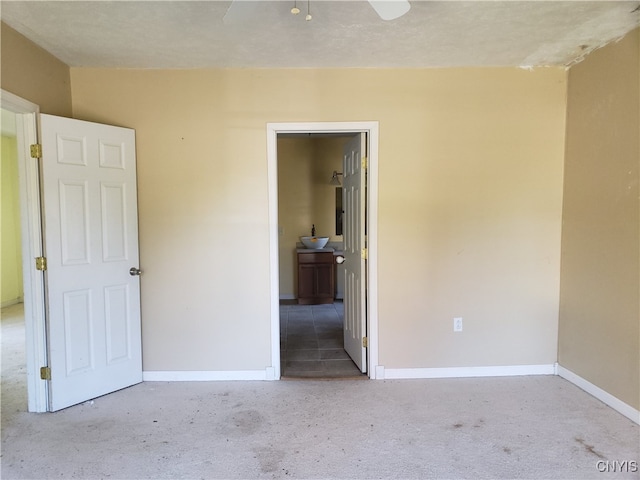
316 278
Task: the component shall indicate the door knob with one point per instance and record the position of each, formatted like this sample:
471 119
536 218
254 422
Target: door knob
133 271
340 259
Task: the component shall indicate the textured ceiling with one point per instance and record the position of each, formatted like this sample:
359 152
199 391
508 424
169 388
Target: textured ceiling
190 34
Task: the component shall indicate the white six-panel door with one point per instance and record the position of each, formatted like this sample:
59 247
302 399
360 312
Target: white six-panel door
91 242
354 241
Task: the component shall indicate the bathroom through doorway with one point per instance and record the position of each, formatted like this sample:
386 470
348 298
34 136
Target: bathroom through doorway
302 162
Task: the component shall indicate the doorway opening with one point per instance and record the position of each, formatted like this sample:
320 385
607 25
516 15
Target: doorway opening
13 329
62 366
312 284
24 113
302 159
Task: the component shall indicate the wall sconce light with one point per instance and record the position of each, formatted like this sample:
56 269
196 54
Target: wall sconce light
334 179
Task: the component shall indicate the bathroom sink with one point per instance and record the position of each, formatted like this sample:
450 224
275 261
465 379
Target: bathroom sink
314 242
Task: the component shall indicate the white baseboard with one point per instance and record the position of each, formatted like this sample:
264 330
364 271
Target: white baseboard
287 296
605 397
383 373
208 376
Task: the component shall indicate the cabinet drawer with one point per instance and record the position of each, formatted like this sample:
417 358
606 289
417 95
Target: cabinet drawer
320 257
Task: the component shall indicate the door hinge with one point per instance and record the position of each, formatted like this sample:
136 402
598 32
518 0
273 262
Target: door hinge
365 342
41 263
364 254
45 373
364 163
36 150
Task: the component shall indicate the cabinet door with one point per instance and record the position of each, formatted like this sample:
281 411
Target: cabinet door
306 280
324 280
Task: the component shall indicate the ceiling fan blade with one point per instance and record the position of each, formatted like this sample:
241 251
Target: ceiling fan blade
390 9
240 11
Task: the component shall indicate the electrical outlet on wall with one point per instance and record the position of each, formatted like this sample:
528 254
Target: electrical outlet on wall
457 324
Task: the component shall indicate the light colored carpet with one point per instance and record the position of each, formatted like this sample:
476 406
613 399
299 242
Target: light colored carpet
518 427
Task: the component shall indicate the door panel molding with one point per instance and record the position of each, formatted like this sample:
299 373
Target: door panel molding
355 300
94 330
371 128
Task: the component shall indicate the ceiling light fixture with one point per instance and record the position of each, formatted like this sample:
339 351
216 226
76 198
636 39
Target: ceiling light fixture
295 10
308 17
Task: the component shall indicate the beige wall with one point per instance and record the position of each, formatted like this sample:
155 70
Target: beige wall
33 74
305 198
600 303
469 212
11 251
470 192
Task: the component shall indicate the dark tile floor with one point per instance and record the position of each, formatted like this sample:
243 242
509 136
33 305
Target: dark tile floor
311 342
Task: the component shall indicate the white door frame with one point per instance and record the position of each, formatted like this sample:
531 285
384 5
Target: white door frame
31 233
371 129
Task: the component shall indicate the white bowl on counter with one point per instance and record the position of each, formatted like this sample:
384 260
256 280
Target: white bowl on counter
314 242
